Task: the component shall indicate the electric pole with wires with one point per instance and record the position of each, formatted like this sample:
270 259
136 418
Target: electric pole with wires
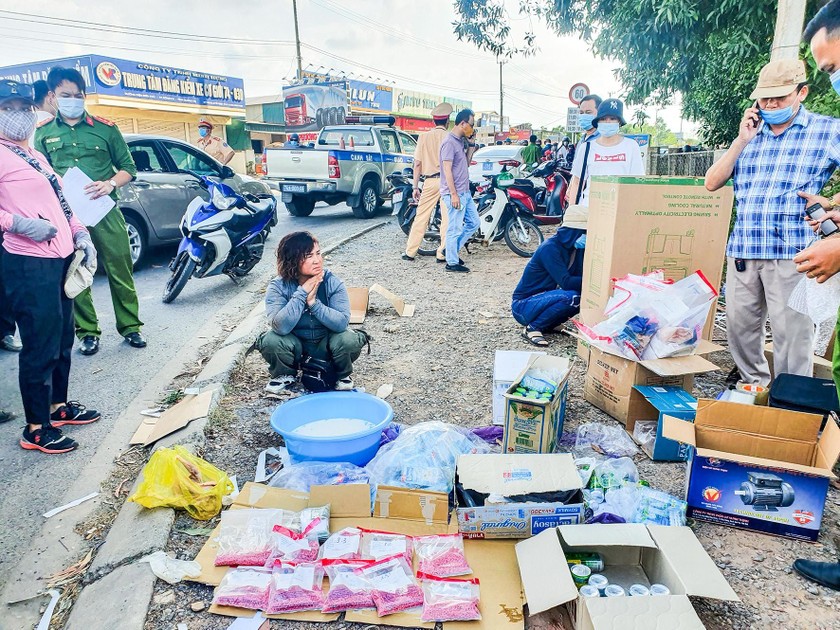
297 42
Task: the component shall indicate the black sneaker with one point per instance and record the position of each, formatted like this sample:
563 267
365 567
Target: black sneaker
47 439
6 416
408 258
73 413
459 268
732 378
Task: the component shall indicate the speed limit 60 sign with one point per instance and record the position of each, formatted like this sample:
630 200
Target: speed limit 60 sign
578 92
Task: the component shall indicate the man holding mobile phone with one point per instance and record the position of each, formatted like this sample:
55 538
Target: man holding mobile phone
781 149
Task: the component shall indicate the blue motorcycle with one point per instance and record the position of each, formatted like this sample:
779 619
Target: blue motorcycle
225 235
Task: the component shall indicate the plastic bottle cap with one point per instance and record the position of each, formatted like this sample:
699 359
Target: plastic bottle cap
639 590
613 590
588 590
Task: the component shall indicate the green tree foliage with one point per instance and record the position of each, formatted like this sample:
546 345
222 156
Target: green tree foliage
710 51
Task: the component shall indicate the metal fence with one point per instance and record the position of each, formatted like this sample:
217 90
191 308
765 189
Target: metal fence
685 164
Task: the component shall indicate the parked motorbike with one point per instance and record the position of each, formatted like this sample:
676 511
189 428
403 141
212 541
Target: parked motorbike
223 235
500 217
402 186
548 197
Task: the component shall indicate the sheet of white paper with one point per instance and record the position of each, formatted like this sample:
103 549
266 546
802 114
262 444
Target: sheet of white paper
72 504
44 624
243 623
275 456
88 211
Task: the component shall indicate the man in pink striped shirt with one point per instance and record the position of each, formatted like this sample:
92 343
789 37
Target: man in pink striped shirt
40 234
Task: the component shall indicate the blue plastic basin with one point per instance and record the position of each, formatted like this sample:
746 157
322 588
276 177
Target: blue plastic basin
357 448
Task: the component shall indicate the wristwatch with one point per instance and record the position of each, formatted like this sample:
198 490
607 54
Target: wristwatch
113 183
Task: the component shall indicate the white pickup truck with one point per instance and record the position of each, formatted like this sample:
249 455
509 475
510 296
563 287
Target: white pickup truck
349 163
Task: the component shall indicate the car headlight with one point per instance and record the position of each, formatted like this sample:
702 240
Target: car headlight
220 201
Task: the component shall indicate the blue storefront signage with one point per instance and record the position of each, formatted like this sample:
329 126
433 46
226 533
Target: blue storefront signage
364 96
108 76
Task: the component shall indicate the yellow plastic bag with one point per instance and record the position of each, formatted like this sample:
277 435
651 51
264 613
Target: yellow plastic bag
176 478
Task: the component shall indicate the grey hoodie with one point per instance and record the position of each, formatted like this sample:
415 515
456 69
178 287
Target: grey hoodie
286 309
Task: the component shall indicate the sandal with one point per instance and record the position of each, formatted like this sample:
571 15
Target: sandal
534 337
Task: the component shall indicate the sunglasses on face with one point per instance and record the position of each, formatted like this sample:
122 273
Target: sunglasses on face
13 88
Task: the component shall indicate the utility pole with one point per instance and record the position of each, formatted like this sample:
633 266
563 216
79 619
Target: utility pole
501 99
297 42
789 22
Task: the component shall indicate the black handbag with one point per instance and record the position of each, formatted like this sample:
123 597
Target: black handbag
318 375
804 393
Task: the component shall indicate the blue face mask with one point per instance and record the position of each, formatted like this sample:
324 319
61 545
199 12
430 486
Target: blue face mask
203 131
608 129
777 116
71 108
835 81
586 121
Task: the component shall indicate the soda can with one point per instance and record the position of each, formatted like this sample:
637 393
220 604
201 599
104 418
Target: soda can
588 590
614 590
639 590
659 589
580 574
593 560
598 581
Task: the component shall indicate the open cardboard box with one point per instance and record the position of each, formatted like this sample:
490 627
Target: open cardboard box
759 468
509 476
610 378
534 426
659 401
507 366
492 561
633 554
360 301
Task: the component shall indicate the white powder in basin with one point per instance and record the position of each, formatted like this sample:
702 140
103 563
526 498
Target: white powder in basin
333 427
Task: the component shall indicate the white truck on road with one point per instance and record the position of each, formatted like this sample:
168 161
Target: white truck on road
349 163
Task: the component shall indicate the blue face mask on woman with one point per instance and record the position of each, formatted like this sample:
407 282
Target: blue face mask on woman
585 121
777 116
608 129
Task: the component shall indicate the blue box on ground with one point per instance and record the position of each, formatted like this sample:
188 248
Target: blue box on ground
645 420
758 468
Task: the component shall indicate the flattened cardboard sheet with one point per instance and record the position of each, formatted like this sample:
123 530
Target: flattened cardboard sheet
189 408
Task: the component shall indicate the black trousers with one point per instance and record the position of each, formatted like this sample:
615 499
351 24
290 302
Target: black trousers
7 322
44 315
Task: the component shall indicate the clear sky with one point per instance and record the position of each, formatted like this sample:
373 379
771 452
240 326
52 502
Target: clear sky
406 42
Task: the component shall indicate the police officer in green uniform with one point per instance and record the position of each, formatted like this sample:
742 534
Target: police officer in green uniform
96 146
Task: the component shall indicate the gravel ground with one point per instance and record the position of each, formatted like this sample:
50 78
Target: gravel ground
440 363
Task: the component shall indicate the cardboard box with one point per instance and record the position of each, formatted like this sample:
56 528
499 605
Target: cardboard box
659 401
758 468
533 426
641 224
633 554
492 561
483 478
507 367
360 301
822 364
610 379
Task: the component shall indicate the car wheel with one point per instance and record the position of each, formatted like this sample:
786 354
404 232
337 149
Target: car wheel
368 202
300 206
340 120
319 119
136 239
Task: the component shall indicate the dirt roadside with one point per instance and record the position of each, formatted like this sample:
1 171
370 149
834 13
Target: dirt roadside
440 363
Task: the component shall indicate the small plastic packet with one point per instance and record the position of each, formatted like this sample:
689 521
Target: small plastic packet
393 586
543 381
295 587
645 434
348 588
244 588
441 555
290 546
308 515
377 545
594 438
343 545
448 599
244 538
614 473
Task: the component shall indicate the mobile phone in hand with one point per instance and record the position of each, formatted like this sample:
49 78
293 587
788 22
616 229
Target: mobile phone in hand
756 120
816 212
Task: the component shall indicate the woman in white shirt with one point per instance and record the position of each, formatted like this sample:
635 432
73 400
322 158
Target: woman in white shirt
610 153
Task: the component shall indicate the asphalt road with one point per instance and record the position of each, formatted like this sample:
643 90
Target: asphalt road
33 482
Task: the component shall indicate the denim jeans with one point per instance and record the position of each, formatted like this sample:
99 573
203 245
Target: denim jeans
546 310
463 223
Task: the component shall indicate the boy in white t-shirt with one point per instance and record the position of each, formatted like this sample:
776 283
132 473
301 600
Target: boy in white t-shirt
611 153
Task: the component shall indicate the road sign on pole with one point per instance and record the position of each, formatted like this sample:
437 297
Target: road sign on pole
578 91
573 120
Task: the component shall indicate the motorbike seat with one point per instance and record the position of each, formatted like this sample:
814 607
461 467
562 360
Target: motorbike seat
523 183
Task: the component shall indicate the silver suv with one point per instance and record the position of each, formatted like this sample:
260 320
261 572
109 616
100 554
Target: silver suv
154 203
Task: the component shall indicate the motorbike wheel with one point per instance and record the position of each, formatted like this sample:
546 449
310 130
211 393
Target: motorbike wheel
523 236
405 226
183 272
430 243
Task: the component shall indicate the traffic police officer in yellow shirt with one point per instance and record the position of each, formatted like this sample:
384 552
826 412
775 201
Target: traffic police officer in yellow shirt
214 146
98 149
427 167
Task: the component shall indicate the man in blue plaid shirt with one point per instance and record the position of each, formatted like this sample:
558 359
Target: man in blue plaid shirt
781 150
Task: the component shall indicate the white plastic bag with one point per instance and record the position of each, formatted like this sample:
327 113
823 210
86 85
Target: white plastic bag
818 301
171 569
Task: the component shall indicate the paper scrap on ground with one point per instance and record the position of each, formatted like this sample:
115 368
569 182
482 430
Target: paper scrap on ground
44 624
384 391
88 211
257 622
72 504
269 463
153 413
176 417
403 309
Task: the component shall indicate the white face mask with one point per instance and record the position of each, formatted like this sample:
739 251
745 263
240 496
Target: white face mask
16 124
71 108
608 129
